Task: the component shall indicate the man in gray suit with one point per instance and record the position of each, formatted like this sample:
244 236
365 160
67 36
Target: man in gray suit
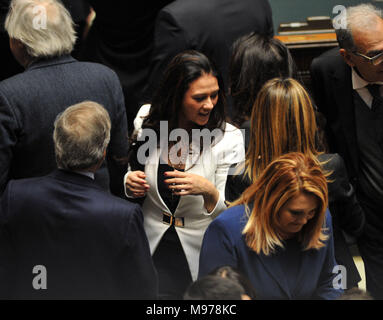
41 39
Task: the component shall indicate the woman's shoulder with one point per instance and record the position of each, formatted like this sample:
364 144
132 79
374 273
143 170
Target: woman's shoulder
328 219
330 161
231 130
230 223
333 163
232 217
141 115
232 140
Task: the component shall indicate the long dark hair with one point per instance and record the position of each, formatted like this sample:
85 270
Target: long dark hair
166 104
256 58
185 68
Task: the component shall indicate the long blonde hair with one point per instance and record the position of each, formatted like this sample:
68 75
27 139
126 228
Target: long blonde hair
283 179
282 121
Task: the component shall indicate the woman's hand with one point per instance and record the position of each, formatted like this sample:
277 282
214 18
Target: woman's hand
182 184
136 184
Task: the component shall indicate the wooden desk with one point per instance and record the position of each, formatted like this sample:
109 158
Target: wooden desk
305 47
309 40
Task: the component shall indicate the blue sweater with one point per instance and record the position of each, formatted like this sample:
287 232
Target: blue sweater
273 278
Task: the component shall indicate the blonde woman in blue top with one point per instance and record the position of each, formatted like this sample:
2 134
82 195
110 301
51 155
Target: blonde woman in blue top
278 233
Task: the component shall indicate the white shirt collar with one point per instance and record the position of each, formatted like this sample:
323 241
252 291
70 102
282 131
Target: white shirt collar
86 173
358 82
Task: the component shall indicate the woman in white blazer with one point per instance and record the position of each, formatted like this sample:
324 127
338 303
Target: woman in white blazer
182 175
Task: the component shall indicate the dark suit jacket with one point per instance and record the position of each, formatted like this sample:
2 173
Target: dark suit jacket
122 38
79 9
225 245
92 244
210 27
332 90
29 104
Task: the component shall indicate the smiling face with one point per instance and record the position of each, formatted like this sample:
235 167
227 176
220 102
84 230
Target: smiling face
198 102
370 43
295 213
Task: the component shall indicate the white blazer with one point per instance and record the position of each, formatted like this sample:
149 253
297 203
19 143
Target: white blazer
214 166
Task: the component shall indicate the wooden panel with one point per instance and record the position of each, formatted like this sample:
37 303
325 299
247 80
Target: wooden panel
304 48
309 40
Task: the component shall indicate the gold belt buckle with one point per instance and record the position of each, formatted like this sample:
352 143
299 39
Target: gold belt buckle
179 222
167 218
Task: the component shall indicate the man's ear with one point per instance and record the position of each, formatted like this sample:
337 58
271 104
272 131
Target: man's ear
19 52
347 57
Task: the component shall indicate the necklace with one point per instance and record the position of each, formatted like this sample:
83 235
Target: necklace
177 155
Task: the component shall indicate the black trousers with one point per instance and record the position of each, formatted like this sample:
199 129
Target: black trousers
344 257
371 252
172 267
371 248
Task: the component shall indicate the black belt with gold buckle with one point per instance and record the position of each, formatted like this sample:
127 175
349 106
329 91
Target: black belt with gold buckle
171 220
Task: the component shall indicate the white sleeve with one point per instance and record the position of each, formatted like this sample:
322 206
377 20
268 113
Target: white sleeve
230 150
141 114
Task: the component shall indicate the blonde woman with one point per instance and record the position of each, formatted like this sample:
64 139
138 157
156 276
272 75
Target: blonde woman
278 233
283 120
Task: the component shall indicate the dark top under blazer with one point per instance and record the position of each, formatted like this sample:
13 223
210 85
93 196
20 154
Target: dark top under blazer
224 245
30 103
92 244
210 27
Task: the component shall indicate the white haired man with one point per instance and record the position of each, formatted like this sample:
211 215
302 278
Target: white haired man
347 87
41 39
92 245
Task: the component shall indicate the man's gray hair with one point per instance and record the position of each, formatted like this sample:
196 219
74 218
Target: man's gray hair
360 17
81 135
45 27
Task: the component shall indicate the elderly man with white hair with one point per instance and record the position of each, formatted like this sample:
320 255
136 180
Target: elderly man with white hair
41 39
347 87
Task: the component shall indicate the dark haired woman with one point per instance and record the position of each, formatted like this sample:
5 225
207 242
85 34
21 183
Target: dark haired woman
256 59
183 177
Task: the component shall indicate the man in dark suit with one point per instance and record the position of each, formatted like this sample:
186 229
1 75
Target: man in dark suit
41 41
80 11
62 236
122 39
347 89
208 26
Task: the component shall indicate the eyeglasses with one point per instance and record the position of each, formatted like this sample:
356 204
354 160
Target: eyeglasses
378 59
